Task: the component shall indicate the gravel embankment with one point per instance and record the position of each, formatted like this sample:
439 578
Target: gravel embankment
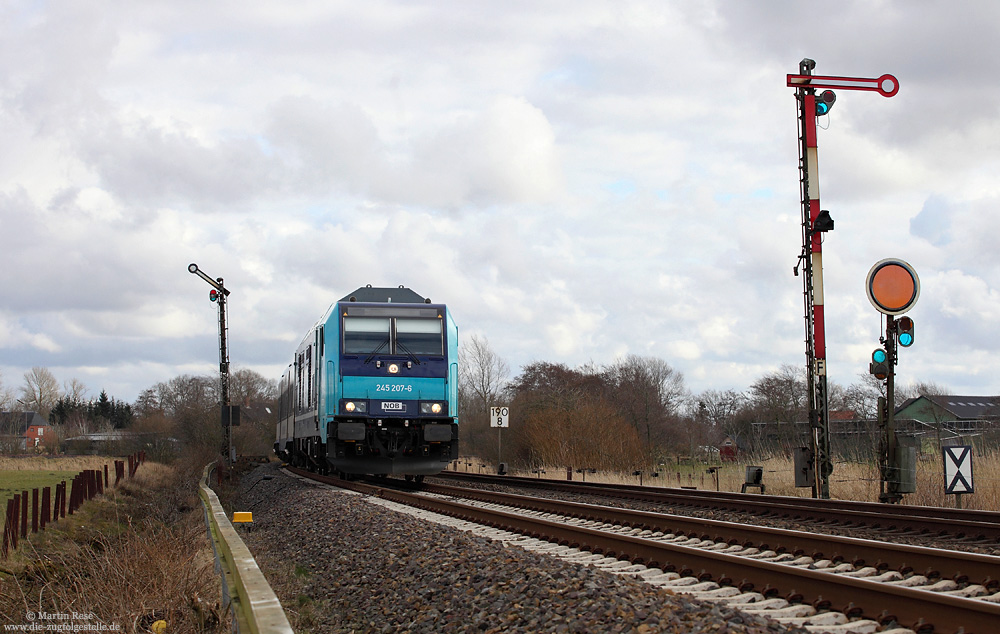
341 564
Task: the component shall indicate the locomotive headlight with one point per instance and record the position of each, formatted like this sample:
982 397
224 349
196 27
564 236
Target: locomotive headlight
359 407
431 408
393 368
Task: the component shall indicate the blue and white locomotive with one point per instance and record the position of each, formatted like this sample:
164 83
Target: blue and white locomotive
373 388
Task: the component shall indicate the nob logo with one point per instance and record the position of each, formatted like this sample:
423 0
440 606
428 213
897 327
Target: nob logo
393 406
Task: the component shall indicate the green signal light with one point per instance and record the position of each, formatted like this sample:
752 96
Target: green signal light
824 102
880 364
905 327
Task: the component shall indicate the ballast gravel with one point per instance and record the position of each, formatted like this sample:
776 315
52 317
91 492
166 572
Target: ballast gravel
340 563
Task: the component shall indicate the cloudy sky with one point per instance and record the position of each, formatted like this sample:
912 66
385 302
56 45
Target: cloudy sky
577 179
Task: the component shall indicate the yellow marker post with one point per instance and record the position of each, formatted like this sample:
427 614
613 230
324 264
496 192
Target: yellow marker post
240 517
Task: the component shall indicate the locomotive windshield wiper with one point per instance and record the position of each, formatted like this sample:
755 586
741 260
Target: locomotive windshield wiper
377 350
413 357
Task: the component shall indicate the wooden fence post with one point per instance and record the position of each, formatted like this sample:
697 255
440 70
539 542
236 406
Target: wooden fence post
24 515
74 493
46 506
34 511
8 528
15 523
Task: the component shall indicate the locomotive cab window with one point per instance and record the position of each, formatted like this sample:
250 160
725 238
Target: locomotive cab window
366 335
419 336
393 335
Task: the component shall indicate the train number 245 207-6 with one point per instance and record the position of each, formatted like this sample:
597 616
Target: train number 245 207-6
390 387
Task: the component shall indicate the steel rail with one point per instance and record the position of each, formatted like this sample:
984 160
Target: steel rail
921 610
926 519
931 562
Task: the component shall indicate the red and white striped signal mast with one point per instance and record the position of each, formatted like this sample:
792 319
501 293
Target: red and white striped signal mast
815 222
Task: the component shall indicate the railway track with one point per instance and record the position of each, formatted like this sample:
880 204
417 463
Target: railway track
969 525
792 572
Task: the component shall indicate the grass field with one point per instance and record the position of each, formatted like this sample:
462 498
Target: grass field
27 473
14 482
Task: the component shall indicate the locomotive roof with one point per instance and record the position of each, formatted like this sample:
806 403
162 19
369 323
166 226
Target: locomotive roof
397 295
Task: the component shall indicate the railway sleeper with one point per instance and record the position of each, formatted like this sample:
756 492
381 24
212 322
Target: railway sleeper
993 598
745 597
798 610
970 591
851 627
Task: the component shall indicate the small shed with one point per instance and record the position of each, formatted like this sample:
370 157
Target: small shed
729 450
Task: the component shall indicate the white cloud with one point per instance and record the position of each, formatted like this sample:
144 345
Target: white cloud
577 180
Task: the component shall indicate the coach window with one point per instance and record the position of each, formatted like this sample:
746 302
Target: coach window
419 336
365 335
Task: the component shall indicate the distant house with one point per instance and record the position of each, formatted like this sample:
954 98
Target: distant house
20 431
841 415
844 423
115 442
955 414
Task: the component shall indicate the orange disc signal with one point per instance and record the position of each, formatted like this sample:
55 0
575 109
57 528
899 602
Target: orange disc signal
893 286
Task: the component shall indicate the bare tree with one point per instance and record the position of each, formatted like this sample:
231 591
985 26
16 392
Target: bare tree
920 388
782 394
483 375
482 371
648 392
257 396
40 390
148 403
720 411
780 403
187 395
74 390
247 385
6 396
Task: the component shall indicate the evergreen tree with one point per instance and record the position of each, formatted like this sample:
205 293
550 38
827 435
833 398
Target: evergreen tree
103 407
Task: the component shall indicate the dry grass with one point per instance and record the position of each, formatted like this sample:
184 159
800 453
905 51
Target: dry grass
133 556
55 463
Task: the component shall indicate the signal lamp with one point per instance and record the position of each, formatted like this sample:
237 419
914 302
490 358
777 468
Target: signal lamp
823 222
213 295
879 365
905 329
824 102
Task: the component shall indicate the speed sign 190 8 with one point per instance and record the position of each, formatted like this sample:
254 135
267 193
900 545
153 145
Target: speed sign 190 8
499 416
